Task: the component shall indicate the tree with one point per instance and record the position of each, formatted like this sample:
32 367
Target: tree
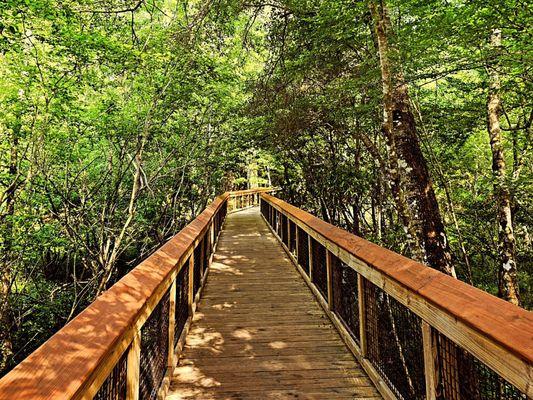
507 282
409 175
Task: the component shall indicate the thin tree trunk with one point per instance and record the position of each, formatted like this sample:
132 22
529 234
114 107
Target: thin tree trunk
507 282
410 182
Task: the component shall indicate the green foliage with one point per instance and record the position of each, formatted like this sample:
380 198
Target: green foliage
118 124
117 128
319 106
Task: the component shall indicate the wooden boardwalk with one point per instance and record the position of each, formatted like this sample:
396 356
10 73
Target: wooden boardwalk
259 333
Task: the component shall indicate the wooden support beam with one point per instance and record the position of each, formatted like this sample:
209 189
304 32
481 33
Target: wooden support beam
203 247
429 361
133 368
171 323
297 241
362 316
191 284
288 233
310 250
329 269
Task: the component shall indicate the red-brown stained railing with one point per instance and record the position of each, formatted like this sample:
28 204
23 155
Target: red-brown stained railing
473 345
93 354
84 356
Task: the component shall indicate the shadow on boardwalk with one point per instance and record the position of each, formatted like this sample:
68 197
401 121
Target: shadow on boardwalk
259 333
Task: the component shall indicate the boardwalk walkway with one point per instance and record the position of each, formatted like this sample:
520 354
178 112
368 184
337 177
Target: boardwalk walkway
259 333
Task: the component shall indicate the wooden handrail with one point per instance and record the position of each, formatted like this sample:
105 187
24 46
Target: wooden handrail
76 360
241 199
252 191
496 332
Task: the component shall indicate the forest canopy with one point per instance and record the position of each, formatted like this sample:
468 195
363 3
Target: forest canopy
405 122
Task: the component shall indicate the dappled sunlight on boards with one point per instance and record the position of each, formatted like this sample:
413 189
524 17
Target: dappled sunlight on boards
259 333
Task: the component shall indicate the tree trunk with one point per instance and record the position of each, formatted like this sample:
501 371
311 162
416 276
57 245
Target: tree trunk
507 282
410 182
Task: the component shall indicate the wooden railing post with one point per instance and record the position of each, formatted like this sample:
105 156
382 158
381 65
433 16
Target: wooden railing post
289 236
171 323
203 247
133 368
329 271
297 242
429 360
310 258
362 314
214 239
191 283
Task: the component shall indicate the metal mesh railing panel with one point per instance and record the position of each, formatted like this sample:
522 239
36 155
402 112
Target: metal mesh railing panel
292 236
264 208
463 376
197 272
224 211
182 301
114 387
217 223
319 274
345 295
303 250
394 343
154 350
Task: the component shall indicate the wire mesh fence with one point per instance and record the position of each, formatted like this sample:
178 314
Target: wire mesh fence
463 376
182 301
216 224
154 350
394 343
345 295
197 269
223 211
264 208
319 274
114 387
303 250
219 219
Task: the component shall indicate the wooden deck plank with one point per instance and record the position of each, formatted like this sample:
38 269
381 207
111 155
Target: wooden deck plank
259 333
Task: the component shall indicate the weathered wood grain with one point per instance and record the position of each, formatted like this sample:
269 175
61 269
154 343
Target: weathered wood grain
259 332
